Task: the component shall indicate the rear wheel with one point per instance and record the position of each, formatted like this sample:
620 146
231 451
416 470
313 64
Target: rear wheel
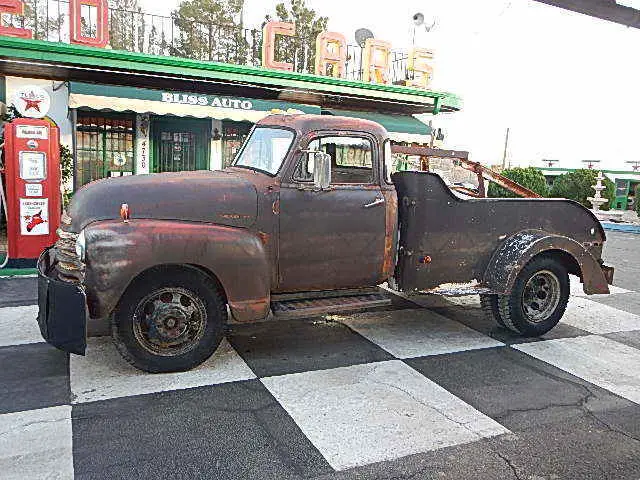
170 320
538 299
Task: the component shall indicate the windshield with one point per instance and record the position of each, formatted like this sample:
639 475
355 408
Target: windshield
265 149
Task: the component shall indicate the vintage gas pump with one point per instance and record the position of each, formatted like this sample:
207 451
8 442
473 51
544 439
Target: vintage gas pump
32 174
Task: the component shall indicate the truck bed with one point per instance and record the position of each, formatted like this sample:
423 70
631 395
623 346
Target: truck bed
446 239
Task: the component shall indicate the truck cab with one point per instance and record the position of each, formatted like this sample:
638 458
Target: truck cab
308 210
331 235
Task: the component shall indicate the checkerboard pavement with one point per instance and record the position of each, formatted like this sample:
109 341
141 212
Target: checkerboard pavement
392 393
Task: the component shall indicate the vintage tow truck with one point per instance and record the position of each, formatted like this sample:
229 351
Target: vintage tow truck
307 220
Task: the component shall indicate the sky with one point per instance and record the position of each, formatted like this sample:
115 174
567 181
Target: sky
566 85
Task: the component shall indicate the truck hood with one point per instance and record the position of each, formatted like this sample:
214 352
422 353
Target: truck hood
219 197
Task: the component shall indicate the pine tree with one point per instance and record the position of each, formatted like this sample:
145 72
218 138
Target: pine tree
210 30
301 49
44 22
126 26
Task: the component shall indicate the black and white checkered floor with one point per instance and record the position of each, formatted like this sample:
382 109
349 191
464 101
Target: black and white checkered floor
415 392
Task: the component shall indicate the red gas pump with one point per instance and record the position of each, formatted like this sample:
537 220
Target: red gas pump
32 173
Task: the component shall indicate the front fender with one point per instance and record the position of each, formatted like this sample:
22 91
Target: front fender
117 252
519 249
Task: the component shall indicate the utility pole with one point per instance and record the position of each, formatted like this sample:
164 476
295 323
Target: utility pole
432 135
506 147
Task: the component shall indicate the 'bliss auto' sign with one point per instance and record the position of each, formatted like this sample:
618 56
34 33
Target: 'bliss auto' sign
204 101
331 47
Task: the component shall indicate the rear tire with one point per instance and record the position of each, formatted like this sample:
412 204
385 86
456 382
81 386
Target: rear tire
491 309
538 298
169 320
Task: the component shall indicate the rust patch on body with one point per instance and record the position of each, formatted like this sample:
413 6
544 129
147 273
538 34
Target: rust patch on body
250 310
390 234
264 237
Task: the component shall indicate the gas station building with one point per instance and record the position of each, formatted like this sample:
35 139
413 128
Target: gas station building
124 113
128 113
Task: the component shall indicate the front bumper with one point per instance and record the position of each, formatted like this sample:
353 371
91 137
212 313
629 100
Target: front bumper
62 310
608 273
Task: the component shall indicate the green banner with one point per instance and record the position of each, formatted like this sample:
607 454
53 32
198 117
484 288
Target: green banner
187 98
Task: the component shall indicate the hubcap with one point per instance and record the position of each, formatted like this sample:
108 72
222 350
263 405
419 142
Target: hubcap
541 296
169 321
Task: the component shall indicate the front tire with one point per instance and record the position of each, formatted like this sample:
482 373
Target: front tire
169 320
538 299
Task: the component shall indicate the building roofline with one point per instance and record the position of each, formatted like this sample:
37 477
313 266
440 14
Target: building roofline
55 59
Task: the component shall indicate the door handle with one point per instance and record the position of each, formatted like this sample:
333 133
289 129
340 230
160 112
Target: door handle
377 201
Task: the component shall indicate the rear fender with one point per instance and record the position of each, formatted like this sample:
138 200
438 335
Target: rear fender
519 249
117 252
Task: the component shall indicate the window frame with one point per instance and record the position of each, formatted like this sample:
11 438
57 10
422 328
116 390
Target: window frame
101 132
387 168
284 159
375 177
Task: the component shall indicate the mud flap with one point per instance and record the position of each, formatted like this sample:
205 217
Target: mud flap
62 314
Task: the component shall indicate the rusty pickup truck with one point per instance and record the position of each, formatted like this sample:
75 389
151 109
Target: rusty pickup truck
307 218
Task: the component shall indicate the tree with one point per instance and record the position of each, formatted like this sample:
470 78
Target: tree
529 177
66 173
210 30
45 21
577 185
301 49
127 26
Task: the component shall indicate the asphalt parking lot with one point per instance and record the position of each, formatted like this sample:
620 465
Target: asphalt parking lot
429 391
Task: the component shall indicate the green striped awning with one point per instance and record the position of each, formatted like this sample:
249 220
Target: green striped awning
172 102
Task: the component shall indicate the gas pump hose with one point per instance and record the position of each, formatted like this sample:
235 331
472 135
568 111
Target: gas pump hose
3 204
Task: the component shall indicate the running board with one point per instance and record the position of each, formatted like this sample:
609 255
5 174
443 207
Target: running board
309 307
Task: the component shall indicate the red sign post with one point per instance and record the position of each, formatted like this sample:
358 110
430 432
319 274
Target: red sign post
32 168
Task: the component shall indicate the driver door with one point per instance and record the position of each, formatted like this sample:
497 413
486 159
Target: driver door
333 238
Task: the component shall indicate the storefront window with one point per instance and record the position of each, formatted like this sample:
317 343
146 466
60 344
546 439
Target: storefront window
233 136
104 146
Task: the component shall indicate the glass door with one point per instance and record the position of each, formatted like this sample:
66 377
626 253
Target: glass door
180 144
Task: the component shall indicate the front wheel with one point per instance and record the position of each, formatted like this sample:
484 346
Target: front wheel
170 320
538 299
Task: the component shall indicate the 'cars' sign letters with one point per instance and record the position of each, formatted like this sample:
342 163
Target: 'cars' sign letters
331 47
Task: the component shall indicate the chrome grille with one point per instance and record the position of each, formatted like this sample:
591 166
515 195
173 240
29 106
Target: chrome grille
69 266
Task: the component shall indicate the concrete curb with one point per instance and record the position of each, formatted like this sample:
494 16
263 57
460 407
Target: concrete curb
18 272
621 227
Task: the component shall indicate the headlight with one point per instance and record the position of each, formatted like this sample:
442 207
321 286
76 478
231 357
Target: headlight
81 243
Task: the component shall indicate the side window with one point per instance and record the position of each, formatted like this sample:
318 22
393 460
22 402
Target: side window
351 160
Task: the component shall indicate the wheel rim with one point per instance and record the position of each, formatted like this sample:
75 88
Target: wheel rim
169 321
541 296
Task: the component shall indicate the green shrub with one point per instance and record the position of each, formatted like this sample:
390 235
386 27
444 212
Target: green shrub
577 185
529 177
66 173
